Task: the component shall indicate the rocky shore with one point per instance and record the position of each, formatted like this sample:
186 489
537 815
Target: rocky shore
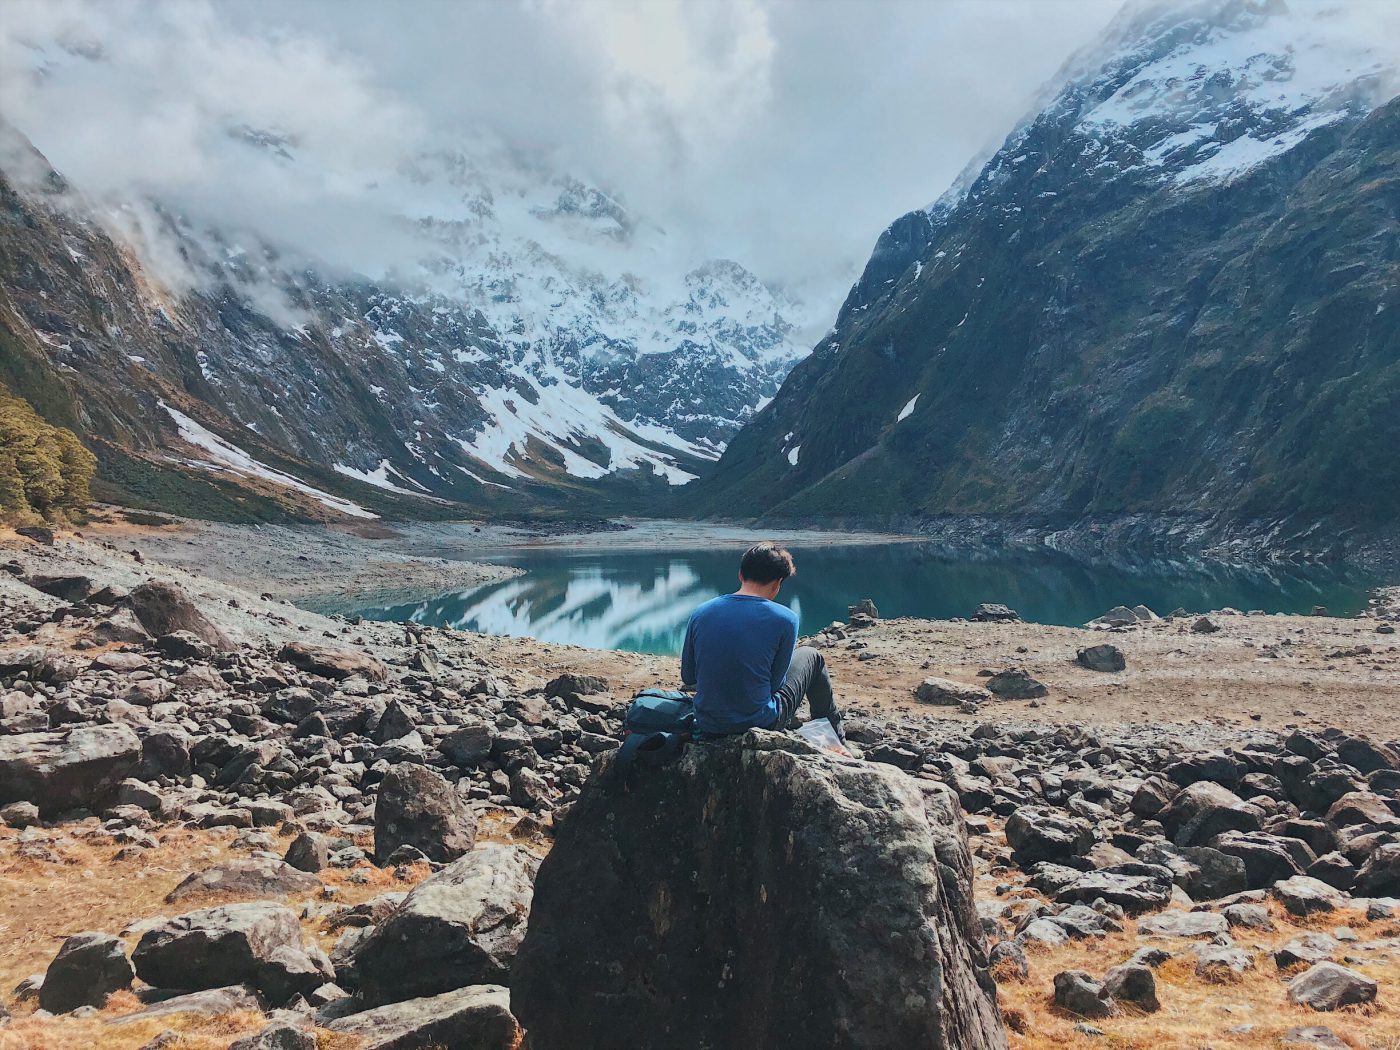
224 819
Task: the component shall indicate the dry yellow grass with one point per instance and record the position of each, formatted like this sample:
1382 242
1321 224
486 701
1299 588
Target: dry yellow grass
1196 1013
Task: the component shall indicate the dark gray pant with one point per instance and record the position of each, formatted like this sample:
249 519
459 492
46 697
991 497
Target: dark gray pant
806 677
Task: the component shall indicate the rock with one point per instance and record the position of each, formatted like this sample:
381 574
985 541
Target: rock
417 807
1314 1036
460 927
120 627
570 687
1118 616
309 851
468 746
1305 949
944 692
1221 963
1362 807
212 1002
251 877
78 768
1101 658
1303 895
39 663
1367 755
338 664
20 815
1249 917
184 645
257 944
1204 625
1267 858
1380 874
990 612
40 534
528 789
1008 959
1078 993
1327 986
1190 924
1200 811
280 1035
477 1017
1132 890
162 608
88 968
1040 834
1134 984
68 588
853 893
1015 684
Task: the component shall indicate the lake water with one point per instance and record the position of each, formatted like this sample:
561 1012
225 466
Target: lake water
639 600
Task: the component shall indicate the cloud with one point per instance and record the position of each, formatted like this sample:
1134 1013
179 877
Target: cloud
784 134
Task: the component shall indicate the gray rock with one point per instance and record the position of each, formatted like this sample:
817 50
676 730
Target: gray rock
1107 658
417 807
337 664
1041 834
1314 1036
162 608
1221 962
1078 993
257 944
1303 895
991 612
78 768
250 877
1184 924
1304 950
853 894
460 927
478 1017
469 745
1327 986
1016 684
280 1035
1134 984
204 1003
944 692
88 968
1200 811
309 851
1249 917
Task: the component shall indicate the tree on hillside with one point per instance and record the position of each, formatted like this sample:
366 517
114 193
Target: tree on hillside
44 469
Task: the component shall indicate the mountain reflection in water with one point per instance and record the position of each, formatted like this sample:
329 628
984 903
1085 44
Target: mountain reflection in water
640 600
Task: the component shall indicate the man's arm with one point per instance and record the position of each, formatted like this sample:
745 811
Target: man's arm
783 657
688 656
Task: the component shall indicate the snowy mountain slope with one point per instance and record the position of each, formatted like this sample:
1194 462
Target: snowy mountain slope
506 330
1172 290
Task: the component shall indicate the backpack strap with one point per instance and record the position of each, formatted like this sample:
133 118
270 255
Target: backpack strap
651 749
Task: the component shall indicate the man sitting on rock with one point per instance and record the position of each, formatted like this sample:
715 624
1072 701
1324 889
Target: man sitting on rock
739 655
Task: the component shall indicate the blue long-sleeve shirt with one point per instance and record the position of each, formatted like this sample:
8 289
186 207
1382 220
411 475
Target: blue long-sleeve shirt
736 654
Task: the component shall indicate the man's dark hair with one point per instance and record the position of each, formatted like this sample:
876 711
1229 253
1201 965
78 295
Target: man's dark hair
766 562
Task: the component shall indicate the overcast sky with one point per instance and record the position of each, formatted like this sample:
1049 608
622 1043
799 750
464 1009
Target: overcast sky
785 134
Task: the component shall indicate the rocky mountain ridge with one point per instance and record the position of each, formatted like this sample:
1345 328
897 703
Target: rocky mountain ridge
1172 291
527 342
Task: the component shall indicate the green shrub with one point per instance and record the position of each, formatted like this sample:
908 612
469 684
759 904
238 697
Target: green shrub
44 469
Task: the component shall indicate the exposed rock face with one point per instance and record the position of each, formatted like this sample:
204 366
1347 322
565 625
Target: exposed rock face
79 768
461 927
755 894
417 807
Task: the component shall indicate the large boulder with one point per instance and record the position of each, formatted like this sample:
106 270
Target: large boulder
1039 834
478 1018
339 664
944 692
756 894
162 608
245 877
256 944
417 807
88 968
460 927
1200 811
73 769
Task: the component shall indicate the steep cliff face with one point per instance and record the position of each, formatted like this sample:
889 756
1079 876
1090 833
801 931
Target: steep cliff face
515 362
1174 290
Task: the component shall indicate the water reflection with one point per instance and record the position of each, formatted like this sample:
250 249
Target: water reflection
640 600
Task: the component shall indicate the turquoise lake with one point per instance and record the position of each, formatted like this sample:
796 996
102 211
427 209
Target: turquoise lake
639 600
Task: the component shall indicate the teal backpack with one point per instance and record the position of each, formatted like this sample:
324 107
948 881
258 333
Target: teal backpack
658 725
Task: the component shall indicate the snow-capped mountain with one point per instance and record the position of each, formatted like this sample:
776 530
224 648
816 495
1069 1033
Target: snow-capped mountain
1171 291
516 329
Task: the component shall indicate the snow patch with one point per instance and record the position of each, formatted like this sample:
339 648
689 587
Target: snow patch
907 410
793 453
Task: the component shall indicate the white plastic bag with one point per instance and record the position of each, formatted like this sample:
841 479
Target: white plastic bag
819 732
